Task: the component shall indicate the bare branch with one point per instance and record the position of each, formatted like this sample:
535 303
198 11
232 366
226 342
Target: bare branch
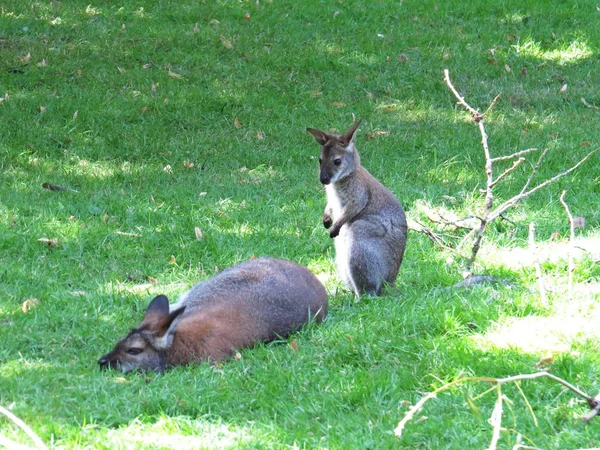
514 155
595 409
496 419
516 164
571 241
507 204
593 402
23 426
536 260
476 114
435 238
492 104
534 171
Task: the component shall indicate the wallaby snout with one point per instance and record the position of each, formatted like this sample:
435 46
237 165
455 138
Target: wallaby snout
256 301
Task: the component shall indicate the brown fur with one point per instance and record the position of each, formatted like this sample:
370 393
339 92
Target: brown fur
256 301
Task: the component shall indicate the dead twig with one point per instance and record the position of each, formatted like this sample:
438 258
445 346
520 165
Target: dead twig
536 261
516 164
514 155
56 188
517 198
594 403
435 237
23 426
489 213
571 241
496 419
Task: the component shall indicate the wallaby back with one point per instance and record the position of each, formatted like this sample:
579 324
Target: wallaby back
256 301
366 219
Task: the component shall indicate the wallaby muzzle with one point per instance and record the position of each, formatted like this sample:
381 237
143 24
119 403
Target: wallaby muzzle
325 178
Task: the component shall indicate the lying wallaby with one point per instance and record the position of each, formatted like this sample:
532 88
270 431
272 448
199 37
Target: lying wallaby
256 301
366 218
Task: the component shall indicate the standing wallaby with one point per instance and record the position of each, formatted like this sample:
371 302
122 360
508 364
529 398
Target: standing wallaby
256 301
365 217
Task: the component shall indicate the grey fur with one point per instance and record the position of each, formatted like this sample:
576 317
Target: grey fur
366 220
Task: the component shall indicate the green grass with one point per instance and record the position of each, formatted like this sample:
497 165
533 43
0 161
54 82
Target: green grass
115 101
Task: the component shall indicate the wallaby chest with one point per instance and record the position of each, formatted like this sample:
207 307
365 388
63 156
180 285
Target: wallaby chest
336 199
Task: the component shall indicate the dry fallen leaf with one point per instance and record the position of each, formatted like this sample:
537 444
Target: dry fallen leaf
260 135
338 104
247 17
524 72
50 242
226 42
175 75
563 88
121 70
402 58
188 164
53 187
237 123
544 361
196 28
42 63
294 345
199 234
172 260
42 109
168 169
25 59
315 94
105 217
237 356
214 22
507 67
28 304
152 279
75 114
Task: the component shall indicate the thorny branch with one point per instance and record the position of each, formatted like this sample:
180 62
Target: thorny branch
496 418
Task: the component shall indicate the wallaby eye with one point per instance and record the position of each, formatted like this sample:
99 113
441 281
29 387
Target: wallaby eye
134 351
337 161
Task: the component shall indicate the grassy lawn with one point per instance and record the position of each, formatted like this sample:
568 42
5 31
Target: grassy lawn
191 114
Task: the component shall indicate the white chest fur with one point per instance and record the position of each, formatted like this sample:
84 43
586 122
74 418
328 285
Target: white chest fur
334 200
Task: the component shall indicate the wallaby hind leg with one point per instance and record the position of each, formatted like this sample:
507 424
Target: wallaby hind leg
365 267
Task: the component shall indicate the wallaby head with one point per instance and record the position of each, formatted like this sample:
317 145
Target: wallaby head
339 157
143 348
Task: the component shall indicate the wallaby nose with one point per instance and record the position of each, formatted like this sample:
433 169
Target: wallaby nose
325 179
103 362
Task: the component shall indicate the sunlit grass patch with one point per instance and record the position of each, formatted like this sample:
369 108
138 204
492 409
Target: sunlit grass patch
567 53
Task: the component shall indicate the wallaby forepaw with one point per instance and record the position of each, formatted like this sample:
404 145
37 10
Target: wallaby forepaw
327 222
333 233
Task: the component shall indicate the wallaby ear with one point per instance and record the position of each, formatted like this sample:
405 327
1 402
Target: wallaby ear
159 306
158 318
320 136
348 135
